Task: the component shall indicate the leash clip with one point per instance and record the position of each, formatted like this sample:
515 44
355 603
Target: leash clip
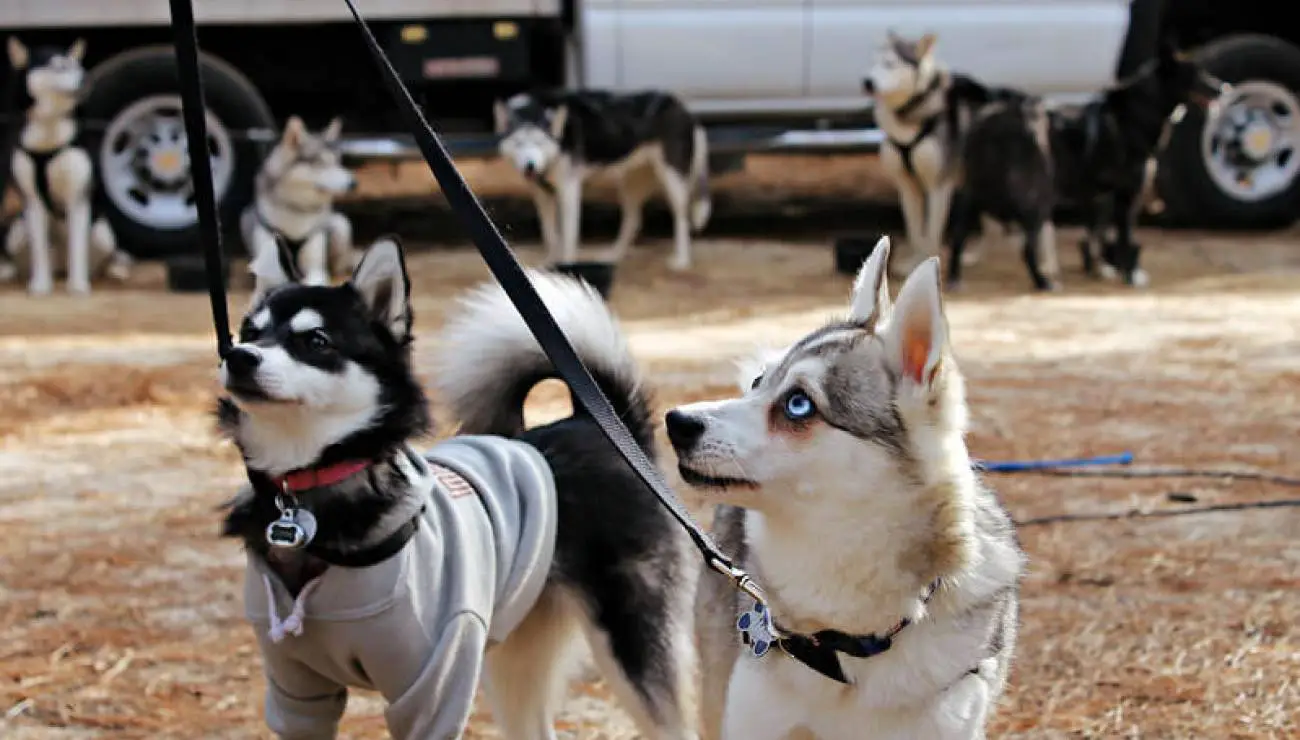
761 614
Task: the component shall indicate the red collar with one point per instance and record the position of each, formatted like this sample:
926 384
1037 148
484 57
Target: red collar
309 478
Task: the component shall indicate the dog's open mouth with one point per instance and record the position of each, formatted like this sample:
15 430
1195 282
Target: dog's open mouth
250 393
698 479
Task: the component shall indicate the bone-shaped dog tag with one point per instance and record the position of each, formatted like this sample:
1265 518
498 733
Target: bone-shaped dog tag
756 630
294 529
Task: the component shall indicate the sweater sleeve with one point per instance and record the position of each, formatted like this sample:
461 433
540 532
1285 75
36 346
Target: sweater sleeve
300 703
439 703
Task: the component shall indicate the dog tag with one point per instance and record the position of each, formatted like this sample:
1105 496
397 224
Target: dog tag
756 631
293 530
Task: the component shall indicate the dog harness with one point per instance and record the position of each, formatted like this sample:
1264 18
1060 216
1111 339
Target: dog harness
41 177
292 246
412 626
927 125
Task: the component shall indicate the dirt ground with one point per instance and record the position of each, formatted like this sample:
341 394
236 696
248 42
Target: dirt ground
120 608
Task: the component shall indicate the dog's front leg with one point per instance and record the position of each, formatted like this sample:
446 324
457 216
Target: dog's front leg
912 199
937 207
342 255
568 192
300 703
79 247
546 219
313 259
752 714
37 222
1127 252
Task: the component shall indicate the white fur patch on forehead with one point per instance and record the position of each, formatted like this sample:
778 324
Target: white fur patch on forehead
518 101
306 320
262 319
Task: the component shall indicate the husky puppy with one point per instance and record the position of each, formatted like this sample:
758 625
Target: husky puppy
845 486
924 111
55 179
646 141
294 203
412 574
1100 155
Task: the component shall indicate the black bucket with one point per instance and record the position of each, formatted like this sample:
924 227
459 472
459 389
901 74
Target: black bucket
599 275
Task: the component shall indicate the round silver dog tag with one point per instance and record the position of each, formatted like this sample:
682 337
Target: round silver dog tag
293 530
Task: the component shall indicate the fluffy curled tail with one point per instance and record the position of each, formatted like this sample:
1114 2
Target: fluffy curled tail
488 360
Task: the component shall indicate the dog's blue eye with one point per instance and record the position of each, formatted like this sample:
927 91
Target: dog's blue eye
799 406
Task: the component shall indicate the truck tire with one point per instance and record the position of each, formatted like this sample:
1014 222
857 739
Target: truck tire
1199 177
136 138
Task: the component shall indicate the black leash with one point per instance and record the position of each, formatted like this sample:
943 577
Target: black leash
507 270
196 133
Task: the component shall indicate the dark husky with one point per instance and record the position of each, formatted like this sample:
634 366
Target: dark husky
410 573
646 140
1099 155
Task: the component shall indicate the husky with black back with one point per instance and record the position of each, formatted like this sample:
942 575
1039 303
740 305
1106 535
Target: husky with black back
56 232
372 565
645 141
1100 156
294 204
844 485
924 111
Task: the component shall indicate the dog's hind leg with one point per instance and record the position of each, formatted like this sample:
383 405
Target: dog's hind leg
16 244
912 200
568 192
633 191
678 191
647 653
963 214
114 263
937 206
528 672
1032 252
78 244
1127 251
1047 257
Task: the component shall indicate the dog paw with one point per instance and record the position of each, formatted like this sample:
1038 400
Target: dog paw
679 264
8 272
1139 278
40 287
971 256
119 273
1107 272
78 287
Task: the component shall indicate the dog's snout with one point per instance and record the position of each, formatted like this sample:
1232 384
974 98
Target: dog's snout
530 168
684 430
242 362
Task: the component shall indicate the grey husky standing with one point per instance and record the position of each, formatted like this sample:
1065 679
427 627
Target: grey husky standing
924 111
646 141
55 179
294 204
845 486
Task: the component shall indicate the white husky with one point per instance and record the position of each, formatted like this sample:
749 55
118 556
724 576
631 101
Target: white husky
892 571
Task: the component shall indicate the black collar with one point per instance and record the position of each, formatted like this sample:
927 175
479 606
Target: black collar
543 182
820 651
383 550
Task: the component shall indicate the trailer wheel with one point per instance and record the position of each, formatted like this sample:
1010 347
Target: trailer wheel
1240 168
142 164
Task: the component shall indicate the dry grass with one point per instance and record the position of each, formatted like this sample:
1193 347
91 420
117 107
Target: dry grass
121 613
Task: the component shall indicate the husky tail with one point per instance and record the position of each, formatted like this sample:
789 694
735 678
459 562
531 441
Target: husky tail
488 360
701 199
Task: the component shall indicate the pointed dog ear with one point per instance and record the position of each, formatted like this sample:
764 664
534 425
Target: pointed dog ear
869 304
294 130
925 45
333 130
917 334
18 54
500 117
77 51
384 286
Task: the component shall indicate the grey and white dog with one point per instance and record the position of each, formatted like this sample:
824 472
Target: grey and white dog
55 179
846 487
645 141
924 111
294 203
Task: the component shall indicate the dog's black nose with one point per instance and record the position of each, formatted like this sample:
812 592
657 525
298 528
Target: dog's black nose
242 362
684 430
530 169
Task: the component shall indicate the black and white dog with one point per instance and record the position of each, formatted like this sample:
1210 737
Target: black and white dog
374 566
55 179
1020 160
645 140
294 205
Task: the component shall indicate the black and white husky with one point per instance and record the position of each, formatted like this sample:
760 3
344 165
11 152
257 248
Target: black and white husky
646 141
55 179
844 484
294 204
324 405
1020 161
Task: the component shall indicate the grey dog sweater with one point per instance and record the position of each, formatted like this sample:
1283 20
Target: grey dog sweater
413 627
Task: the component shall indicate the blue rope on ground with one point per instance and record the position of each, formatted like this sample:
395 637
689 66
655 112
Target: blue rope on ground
1016 466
